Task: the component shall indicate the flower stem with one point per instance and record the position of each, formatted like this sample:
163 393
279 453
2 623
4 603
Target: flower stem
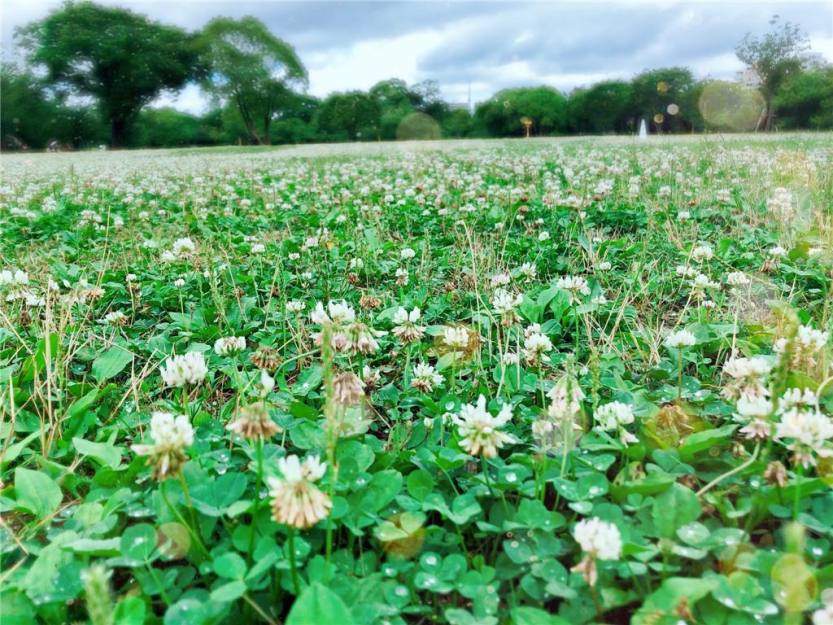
679 374
486 474
293 568
256 504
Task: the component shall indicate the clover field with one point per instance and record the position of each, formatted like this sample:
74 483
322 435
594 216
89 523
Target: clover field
541 382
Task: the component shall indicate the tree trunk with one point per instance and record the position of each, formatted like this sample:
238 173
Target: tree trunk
118 132
267 140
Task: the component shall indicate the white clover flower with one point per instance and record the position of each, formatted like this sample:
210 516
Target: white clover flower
748 376
114 318
752 410
171 435
407 253
613 417
781 203
295 306
348 334
702 252
402 276
505 304
426 378
811 339
680 339
824 615
536 345
406 326
229 344
805 348
340 313
701 282
267 382
528 271
604 265
456 337
13 278
808 431
183 247
480 431
184 369
500 279
296 500
510 358
574 285
777 251
737 278
747 368
543 236
598 539
753 406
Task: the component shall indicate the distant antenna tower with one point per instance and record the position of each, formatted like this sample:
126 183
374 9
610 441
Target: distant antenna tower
471 110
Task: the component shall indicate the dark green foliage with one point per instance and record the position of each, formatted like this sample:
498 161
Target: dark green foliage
32 117
545 106
806 100
349 116
122 59
606 107
774 57
251 70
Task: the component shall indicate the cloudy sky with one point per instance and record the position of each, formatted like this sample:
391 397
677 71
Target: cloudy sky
484 46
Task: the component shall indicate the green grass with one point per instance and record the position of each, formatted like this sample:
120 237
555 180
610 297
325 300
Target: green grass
549 275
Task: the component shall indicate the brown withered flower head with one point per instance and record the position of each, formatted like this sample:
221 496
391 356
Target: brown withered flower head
265 358
348 389
252 421
369 301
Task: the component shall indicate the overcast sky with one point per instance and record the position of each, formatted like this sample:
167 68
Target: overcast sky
484 46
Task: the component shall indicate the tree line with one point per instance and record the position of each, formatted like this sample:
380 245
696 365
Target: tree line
90 72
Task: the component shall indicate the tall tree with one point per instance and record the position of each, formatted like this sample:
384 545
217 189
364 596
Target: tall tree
774 57
805 100
663 97
122 59
602 108
545 106
252 69
349 116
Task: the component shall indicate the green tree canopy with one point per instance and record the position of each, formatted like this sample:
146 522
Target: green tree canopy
774 57
252 69
602 108
545 106
352 116
666 98
805 100
122 59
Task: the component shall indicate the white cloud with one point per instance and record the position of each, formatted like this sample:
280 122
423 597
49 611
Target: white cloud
363 64
484 46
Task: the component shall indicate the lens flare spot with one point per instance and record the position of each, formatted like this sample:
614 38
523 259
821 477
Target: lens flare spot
731 106
173 540
418 126
402 535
